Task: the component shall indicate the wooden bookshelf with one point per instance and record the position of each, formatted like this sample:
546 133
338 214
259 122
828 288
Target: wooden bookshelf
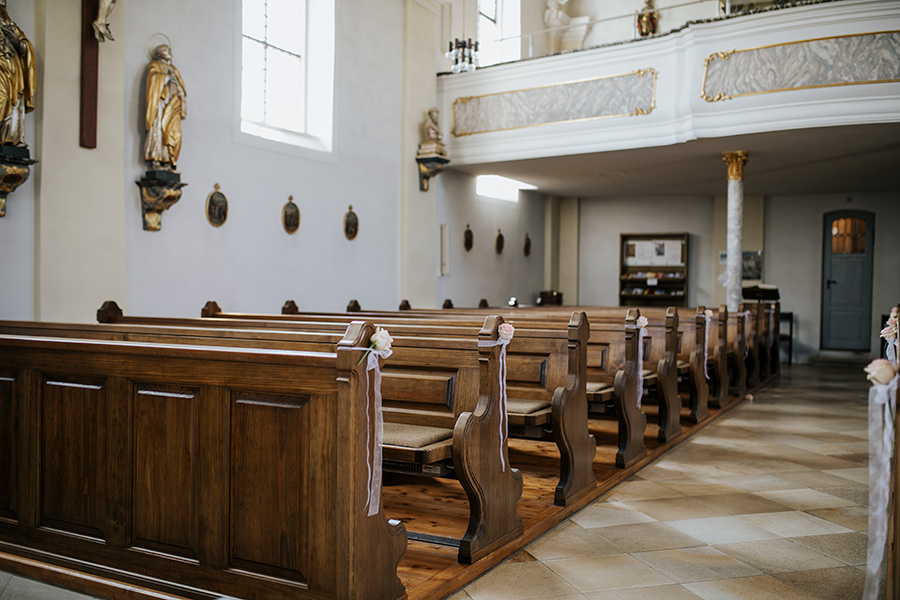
653 269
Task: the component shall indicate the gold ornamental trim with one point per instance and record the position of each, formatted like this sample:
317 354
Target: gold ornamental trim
736 162
727 54
637 111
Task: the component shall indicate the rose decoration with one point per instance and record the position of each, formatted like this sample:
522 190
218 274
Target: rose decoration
709 313
880 371
381 341
507 331
642 321
890 331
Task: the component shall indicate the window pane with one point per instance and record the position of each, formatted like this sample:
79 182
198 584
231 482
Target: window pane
287 25
253 73
488 8
848 236
254 18
285 106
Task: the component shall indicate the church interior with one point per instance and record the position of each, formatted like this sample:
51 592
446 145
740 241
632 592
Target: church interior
597 173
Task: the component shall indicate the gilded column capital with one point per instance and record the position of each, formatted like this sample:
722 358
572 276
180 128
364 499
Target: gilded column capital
736 162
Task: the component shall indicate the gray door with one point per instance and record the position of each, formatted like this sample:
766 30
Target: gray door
847 280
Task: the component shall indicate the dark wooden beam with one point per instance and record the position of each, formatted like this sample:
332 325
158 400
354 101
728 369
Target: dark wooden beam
90 50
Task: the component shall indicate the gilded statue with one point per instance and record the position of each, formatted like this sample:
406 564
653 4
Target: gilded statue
18 82
101 23
165 110
647 19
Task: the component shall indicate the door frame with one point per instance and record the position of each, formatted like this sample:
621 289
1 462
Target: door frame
869 217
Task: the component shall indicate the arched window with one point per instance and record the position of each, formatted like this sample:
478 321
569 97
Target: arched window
286 73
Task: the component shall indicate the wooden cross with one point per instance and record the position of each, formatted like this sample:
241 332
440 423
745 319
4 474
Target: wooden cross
90 51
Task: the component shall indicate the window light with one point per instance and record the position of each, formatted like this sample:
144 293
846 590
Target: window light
502 188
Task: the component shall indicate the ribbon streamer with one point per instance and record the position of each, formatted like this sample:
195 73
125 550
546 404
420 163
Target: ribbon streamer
746 314
771 336
882 400
706 344
374 440
503 416
640 365
891 351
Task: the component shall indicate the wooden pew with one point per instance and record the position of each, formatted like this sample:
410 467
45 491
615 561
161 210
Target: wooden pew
659 364
606 356
545 374
604 345
145 465
451 386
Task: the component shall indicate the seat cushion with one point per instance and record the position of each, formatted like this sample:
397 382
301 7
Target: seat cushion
414 436
525 407
594 387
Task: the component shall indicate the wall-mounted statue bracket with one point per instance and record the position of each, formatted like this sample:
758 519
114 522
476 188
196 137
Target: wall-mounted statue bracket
432 155
160 189
15 163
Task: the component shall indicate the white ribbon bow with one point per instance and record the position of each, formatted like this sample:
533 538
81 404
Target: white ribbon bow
882 400
891 350
374 440
503 417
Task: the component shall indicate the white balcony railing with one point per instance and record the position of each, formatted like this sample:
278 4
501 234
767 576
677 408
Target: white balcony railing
584 32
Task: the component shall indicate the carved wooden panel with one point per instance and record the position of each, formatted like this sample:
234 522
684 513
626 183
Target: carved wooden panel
164 497
411 385
526 369
7 447
73 419
269 487
596 356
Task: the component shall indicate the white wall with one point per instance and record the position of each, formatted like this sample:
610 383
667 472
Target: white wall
17 227
604 219
794 229
482 273
251 263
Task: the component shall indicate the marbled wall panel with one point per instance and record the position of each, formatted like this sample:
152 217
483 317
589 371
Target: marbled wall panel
853 59
630 94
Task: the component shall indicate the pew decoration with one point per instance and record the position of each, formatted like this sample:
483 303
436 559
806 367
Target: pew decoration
708 315
506 332
639 375
890 335
746 314
379 349
882 397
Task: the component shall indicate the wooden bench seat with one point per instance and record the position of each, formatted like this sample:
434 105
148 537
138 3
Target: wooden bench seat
143 464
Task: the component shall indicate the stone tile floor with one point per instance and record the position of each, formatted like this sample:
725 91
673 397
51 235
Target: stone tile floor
769 502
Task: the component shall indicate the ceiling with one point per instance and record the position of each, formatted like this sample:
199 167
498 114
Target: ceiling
827 160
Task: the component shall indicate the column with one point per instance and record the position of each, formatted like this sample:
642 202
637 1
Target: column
736 162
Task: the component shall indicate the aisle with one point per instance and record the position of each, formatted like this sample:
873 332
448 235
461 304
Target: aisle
769 501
